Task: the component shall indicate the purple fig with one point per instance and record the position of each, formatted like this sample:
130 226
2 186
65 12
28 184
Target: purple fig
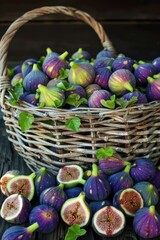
102 77
15 209
146 222
53 82
121 180
27 66
94 100
81 55
77 90
54 197
106 53
18 78
122 81
142 169
30 98
91 88
22 97
156 179
33 79
53 64
51 54
43 180
123 63
156 63
148 192
142 72
94 188
19 232
81 73
73 192
141 97
153 89
46 217
102 63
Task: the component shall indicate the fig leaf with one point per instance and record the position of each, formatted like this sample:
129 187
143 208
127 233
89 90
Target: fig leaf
63 73
126 103
73 124
75 100
109 103
74 232
25 121
104 152
15 94
66 86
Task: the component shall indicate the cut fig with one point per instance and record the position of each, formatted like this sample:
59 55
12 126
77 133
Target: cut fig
70 175
5 178
76 211
23 185
15 209
129 201
108 221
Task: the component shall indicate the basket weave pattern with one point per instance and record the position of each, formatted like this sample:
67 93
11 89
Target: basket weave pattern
133 132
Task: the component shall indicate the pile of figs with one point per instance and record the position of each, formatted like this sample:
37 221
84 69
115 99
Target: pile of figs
105 196
107 81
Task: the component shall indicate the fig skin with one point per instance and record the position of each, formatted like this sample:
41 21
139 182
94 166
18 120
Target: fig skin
27 66
142 169
102 77
153 89
46 217
146 222
123 63
30 98
94 100
81 55
156 63
156 179
97 205
141 97
18 78
91 88
105 53
78 90
102 63
73 192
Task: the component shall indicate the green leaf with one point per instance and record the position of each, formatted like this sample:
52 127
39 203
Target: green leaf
25 121
63 73
73 124
75 100
126 103
66 86
105 152
15 93
109 103
74 232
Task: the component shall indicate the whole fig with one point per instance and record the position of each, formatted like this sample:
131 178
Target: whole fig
102 77
123 63
94 100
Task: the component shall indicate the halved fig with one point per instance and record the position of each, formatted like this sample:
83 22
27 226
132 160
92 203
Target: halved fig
108 221
5 178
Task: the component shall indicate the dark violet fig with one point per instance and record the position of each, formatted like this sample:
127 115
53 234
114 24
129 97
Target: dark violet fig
91 88
43 180
81 73
33 79
30 98
153 89
120 180
146 223
22 184
22 97
141 97
70 175
128 200
142 72
123 63
95 188
102 77
112 164
51 54
76 211
5 178
50 97
122 81
148 192
81 55
53 64
73 192
106 53
156 63
46 217
78 90
142 169
97 205
17 79
19 232
54 197
94 100
53 82
15 209
108 221
27 66
156 179
102 63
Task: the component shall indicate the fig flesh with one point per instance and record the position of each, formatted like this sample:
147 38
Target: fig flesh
5 178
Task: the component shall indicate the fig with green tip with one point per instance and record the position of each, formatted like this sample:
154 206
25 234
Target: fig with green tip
81 55
102 62
141 97
76 211
102 77
27 66
91 88
108 221
20 232
30 98
153 89
123 63
105 53
97 96
18 78
71 175
22 184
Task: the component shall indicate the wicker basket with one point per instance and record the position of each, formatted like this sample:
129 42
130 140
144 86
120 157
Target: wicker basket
133 132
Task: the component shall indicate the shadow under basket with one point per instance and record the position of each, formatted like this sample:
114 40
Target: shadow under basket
133 132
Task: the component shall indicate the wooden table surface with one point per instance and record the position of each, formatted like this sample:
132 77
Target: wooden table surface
9 159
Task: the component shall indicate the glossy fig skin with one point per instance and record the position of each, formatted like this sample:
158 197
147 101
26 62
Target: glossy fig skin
156 63
54 197
123 63
102 63
146 223
141 97
27 66
94 100
18 78
122 81
78 90
46 217
81 55
148 192
156 179
30 98
102 77
142 72
91 88
16 232
53 82
153 89
142 169
73 192
81 73
105 53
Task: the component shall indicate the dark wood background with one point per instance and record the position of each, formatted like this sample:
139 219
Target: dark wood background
132 26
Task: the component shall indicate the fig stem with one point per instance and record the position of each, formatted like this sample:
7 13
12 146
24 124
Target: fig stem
32 175
135 65
63 55
61 185
158 167
150 79
35 67
33 227
128 86
82 181
152 209
127 168
80 50
94 170
42 170
156 76
48 50
141 62
73 64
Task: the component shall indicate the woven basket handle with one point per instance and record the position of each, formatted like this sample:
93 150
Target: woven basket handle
15 26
